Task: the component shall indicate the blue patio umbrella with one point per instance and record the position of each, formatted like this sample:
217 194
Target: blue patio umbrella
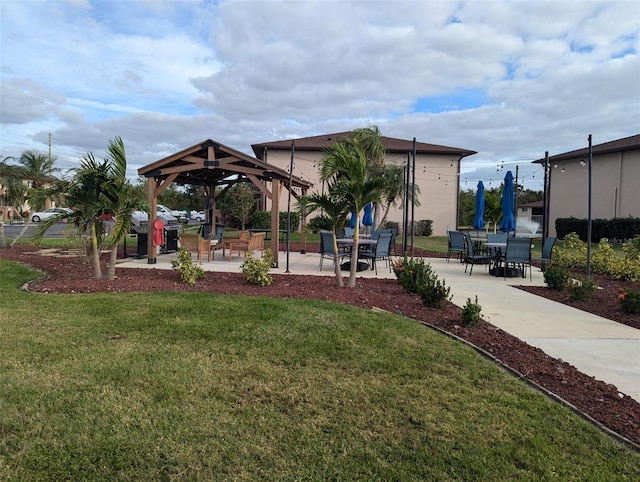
367 219
478 221
508 222
352 222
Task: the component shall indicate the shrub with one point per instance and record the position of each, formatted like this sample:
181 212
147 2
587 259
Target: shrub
629 301
260 220
555 278
424 227
471 312
320 222
189 272
411 273
434 292
582 290
256 270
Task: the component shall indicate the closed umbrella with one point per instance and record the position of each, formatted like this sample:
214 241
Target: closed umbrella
508 222
478 220
352 222
367 219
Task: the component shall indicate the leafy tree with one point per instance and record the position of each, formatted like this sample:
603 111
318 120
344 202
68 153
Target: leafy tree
238 202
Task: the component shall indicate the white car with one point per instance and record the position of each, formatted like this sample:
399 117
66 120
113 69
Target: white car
41 215
198 216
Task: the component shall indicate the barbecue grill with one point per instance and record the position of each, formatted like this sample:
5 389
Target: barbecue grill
140 227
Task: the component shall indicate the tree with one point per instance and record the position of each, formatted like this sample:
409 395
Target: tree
238 202
38 169
98 191
344 168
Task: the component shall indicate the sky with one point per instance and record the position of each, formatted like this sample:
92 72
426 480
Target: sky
508 79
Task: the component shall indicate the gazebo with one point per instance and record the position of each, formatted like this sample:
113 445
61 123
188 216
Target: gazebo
210 164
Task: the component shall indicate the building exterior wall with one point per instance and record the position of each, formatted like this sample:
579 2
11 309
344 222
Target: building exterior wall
437 177
615 191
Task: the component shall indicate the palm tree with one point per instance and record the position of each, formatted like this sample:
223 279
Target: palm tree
98 190
344 168
118 198
336 212
492 208
370 141
38 169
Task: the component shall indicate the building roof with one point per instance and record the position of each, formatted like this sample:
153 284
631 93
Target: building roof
211 163
630 143
533 204
391 144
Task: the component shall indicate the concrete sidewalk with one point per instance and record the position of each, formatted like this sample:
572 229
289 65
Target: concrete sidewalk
598 347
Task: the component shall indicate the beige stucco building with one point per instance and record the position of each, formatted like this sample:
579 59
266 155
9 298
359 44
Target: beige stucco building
436 173
615 182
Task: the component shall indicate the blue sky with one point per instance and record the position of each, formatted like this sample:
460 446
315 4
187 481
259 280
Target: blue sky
509 79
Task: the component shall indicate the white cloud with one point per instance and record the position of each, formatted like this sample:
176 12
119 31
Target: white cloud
165 75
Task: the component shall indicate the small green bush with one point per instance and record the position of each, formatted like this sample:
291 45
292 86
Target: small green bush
256 270
260 220
434 292
471 312
555 277
189 273
629 301
412 273
582 290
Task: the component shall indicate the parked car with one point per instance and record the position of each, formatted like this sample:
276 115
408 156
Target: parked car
47 213
179 214
198 216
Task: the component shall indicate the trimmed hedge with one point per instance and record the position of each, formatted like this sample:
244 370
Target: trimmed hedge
612 229
262 220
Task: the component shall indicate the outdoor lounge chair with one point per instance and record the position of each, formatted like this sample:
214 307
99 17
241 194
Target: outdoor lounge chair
547 251
193 243
473 257
255 243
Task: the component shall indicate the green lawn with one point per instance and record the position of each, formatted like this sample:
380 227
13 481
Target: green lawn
195 386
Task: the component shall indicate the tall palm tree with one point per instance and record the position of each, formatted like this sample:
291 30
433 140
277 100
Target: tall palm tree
336 211
96 191
371 142
344 168
38 169
119 200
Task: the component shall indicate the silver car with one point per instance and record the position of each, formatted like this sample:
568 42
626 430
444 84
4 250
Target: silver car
47 213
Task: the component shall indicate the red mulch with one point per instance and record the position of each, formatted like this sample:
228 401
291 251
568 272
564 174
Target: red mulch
599 400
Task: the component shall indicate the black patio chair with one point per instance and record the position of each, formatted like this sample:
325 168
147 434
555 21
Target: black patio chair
473 257
326 247
456 245
380 251
547 252
518 254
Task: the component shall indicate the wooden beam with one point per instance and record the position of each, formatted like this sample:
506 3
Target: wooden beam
260 185
163 184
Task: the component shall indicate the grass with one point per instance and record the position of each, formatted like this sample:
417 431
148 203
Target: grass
196 386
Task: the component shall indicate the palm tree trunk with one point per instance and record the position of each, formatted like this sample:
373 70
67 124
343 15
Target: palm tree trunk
95 253
22 231
3 242
113 257
336 263
354 252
